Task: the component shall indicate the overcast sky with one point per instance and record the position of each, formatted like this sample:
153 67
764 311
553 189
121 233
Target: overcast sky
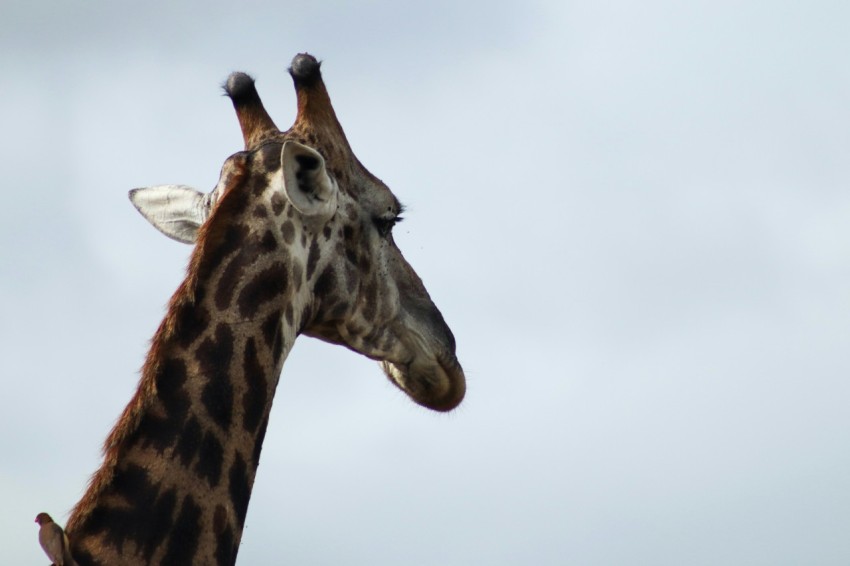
635 217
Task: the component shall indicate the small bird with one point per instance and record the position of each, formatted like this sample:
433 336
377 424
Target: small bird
54 541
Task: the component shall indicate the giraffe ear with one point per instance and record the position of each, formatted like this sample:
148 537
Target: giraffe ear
175 210
304 180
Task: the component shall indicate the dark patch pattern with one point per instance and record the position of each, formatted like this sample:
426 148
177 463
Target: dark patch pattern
253 249
270 156
190 321
297 276
225 553
258 444
312 258
258 184
306 317
228 242
210 459
373 335
82 557
370 297
144 517
351 279
338 311
256 395
325 283
185 534
189 441
235 202
388 342
273 334
268 243
277 349
214 357
219 519
351 211
278 203
240 488
169 379
267 285
271 328
365 263
163 511
351 254
160 429
288 232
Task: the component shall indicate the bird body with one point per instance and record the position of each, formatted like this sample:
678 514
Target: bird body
53 540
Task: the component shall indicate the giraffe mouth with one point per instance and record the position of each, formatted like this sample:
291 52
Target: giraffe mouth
437 384
433 381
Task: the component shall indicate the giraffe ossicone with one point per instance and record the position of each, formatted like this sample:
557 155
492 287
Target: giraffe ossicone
296 238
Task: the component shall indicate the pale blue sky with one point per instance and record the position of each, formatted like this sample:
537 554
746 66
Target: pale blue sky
635 217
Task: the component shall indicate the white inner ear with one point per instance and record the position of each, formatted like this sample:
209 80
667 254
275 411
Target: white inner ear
305 181
175 210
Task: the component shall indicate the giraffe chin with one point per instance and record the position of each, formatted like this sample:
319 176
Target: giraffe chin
438 385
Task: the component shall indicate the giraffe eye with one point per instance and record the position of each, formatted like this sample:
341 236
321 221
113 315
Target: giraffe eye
385 225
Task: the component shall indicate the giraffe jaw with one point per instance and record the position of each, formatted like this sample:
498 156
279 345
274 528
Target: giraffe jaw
439 385
425 368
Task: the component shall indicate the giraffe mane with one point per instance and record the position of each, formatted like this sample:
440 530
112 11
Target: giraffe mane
210 236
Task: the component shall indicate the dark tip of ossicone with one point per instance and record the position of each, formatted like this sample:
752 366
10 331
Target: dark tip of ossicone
305 69
240 87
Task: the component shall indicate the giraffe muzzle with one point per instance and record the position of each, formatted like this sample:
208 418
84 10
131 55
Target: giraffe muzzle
438 384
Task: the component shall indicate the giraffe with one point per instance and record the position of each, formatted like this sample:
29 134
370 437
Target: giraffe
295 238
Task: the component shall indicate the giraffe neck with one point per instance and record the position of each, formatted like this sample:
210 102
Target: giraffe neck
175 487
180 463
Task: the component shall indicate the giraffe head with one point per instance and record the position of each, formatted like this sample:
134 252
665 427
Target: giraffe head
300 200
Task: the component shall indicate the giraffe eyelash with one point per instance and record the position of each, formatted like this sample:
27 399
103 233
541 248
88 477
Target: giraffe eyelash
385 225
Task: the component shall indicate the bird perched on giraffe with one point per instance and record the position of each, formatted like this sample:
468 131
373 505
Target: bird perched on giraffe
54 541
